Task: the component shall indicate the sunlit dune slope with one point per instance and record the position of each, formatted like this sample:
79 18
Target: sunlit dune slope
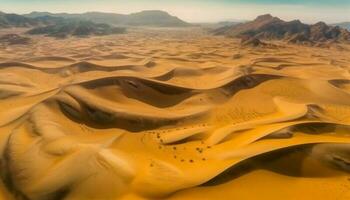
164 114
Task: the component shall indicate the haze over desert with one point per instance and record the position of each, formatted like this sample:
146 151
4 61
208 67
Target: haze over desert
147 106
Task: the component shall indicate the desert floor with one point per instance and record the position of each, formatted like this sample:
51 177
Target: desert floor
173 114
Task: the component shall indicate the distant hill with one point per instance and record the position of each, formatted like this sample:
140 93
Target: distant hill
269 27
345 25
50 20
97 17
54 26
76 28
14 20
145 18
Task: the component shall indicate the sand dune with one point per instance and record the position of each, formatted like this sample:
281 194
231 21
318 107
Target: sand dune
164 114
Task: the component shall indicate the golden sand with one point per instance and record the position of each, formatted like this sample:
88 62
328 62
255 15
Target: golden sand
173 114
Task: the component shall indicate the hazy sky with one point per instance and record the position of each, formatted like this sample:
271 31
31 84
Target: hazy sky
197 10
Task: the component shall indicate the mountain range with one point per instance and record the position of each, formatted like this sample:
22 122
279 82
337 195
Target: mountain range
155 18
92 23
14 20
76 28
98 23
269 27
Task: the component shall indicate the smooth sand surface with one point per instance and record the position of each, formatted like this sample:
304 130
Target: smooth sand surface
173 114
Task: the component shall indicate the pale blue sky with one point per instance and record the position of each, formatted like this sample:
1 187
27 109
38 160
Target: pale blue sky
197 10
